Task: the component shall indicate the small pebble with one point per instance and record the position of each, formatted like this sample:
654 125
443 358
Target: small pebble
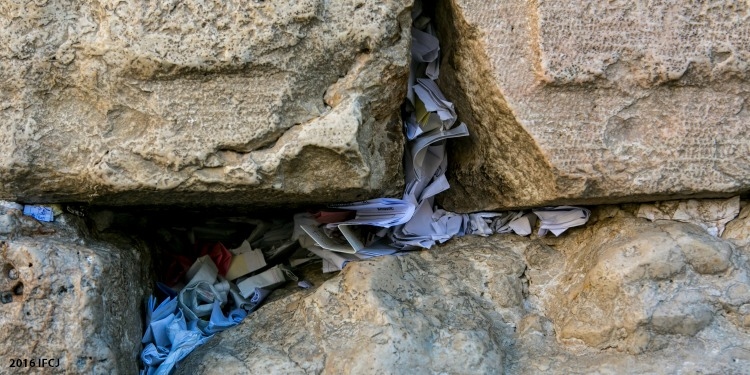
13 274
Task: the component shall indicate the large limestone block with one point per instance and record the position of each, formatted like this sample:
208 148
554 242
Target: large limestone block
253 102
591 102
502 305
625 295
628 284
71 299
449 312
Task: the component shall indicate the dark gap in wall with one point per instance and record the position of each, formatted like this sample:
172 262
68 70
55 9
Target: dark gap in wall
175 237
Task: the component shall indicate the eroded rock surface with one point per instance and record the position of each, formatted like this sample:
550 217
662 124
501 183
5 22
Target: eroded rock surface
623 295
579 102
69 299
635 286
448 311
626 295
262 103
738 230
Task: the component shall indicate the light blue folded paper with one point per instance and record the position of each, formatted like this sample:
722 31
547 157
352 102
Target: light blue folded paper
219 322
153 355
179 325
184 341
167 307
41 213
160 330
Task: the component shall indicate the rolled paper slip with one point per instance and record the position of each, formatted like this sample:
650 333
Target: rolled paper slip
522 225
184 341
434 101
153 355
329 267
381 212
196 300
418 147
258 296
332 261
345 245
160 330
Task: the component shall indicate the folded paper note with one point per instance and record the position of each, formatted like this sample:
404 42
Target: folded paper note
332 261
380 212
245 261
268 279
203 269
558 219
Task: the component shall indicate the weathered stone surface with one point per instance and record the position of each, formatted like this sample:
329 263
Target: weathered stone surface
580 102
132 102
668 292
634 285
624 295
70 299
709 214
447 311
738 230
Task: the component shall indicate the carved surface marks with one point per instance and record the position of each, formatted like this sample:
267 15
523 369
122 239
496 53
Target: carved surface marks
623 100
121 101
657 41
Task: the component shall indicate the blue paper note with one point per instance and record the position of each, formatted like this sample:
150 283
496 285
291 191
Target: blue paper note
183 341
153 355
41 213
219 322
153 314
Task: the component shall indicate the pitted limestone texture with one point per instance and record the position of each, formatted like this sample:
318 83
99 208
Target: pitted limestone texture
626 284
448 311
738 230
72 298
580 103
503 304
259 103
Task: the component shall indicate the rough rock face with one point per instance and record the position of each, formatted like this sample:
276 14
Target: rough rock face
622 295
738 230
410 314
636 286
73 300
606 102
628 295
126 102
